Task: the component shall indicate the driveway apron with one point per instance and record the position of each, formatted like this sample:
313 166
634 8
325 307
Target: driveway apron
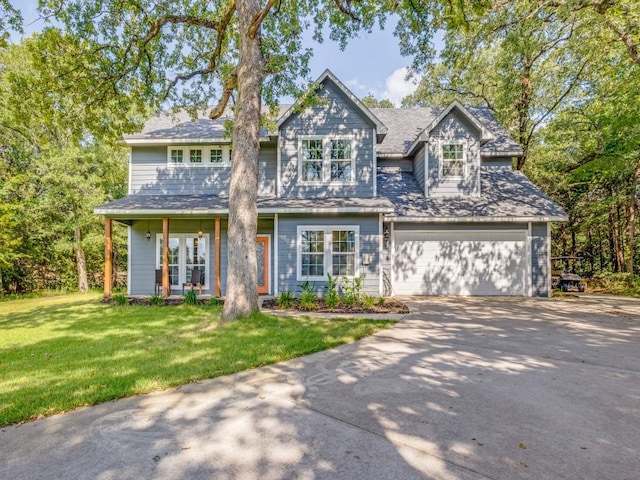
461 388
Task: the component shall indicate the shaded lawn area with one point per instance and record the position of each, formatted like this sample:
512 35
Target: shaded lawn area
64 352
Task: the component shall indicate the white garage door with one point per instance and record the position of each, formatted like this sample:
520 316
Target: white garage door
460 263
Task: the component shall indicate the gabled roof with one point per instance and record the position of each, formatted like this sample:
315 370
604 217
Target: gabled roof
406 124
506 196
485 134
381 129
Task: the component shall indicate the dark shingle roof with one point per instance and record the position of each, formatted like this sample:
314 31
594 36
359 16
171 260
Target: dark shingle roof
505 194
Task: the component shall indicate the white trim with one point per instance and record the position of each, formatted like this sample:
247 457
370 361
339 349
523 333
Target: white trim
279 146
380 254
529 280
327 253
206 156
129 259
549 289
182 258
326 160
224 211
426 169
392 233
426 219
275 254
375 163
441 144
130 178
142 142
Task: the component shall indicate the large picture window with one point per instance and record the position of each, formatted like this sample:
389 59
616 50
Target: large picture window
186 251
326 160
452 160
327 250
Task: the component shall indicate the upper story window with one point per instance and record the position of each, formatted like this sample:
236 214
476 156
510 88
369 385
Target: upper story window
452 160
200 156
326 160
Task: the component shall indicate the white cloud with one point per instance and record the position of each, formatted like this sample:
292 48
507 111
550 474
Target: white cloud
356 86
398 87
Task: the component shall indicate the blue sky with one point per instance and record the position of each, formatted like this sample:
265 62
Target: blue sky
369 64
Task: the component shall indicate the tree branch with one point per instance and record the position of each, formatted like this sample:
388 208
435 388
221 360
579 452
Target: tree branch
257 20
229 86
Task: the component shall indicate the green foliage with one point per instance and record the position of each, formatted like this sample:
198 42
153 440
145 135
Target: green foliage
381 301
190 298
371 102
367 301
308 296
332 297
86 352
156 300
120 299
215 301
352 289
285 299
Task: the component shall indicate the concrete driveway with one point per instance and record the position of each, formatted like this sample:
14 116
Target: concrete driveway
462 388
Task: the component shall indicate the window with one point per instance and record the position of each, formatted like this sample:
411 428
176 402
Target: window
452 160
218 155
215 155
312 159
195 155
326 159
327 250
186 251
176 155
341 160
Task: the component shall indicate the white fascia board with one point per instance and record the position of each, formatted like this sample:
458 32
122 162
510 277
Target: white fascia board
391 156
141 142
543 219
276 210
501 153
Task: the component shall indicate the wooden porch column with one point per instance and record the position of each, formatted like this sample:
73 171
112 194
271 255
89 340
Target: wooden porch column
216 284
166 290
108 257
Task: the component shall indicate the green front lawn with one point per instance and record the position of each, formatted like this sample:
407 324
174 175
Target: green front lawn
63 352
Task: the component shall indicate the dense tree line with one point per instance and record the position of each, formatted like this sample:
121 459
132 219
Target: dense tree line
563 77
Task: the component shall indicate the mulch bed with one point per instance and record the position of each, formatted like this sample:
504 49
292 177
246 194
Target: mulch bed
390 305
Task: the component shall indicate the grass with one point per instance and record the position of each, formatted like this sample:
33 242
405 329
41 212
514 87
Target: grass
59 353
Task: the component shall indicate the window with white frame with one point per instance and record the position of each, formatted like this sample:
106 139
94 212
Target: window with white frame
327 250
452 160
199 156
186 252
326 160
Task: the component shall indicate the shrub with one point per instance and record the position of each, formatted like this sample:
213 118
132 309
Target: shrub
352 290
156 300
285 299
308 296
367 301
120 299
381 301
191 298
332 298
215 302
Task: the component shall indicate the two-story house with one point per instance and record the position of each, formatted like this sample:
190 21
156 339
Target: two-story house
417 201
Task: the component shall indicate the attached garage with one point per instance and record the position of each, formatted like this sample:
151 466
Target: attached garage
460 262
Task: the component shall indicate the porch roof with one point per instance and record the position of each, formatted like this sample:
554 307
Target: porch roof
139 206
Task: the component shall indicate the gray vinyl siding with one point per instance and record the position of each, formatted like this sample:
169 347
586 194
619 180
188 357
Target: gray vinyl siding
335 116
497 162
151 175
393 164
540 273
419 166
142 256
453 129
288 253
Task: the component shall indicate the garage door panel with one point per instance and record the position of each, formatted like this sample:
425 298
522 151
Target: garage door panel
460 263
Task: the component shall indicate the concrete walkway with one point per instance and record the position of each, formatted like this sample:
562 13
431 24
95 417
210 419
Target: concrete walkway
462 388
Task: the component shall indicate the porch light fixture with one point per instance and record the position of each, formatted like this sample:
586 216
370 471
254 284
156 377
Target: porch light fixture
148 234
200 232
386 236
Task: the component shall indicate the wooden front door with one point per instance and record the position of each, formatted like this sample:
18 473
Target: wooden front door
262 255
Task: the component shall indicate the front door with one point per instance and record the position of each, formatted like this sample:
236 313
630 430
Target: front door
262 255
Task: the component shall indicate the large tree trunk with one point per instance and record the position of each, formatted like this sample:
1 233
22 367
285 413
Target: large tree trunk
81 263
242 273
